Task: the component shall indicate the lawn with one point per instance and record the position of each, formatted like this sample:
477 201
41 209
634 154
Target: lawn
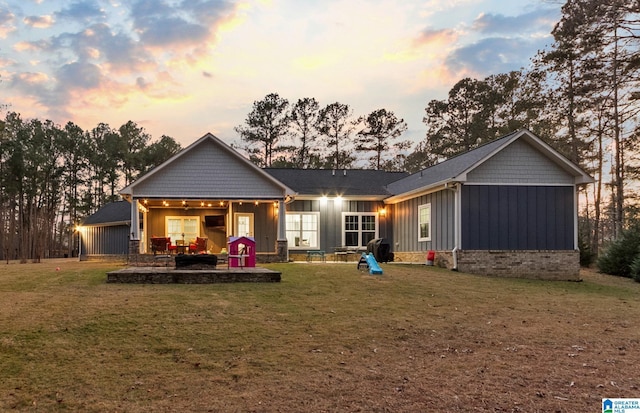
328 338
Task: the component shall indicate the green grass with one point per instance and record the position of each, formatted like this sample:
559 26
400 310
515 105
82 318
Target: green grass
326 338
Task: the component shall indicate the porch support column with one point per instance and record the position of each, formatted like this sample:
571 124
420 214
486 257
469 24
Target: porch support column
135 223
282 249
134 241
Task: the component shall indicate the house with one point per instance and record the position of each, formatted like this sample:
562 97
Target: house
508 207
336 210
209 190
106 232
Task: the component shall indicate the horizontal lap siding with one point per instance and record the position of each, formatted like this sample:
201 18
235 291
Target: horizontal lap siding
517 164
517 217
207 171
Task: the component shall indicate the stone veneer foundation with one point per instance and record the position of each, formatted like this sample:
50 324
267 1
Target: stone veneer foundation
543 265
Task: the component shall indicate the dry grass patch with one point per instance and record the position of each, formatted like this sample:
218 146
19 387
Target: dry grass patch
327 338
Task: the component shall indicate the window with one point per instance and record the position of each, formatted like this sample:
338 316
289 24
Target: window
303 230
183 228
244 224
424 222
358 229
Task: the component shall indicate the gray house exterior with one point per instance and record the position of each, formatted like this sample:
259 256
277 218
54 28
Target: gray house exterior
106 232
348 206
508 207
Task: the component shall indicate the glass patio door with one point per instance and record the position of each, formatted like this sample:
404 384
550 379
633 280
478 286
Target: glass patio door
243 224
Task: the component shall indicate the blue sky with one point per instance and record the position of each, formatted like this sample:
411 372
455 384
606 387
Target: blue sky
184 68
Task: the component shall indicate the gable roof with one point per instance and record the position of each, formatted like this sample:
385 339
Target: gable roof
207 168
113 213
457 168
344 182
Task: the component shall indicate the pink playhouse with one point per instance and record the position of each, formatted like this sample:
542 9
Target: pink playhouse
242 252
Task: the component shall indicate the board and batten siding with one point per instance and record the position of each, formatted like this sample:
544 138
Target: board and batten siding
105 240
405 218
519 163
208 172
508 217
331 218
265 224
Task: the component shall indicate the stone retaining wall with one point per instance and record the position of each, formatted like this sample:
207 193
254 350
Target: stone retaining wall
148 275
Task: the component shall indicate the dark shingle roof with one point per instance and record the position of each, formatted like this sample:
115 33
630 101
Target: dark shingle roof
448 169
350 182
114 212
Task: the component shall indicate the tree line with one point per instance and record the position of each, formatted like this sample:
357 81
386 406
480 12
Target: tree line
305 135
53 176
581 96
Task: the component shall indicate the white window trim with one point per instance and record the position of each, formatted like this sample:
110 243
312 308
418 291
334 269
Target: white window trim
317 214
420 208
360 214
250 215
181 218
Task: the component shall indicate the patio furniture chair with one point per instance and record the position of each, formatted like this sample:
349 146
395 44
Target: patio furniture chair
199 247
160 244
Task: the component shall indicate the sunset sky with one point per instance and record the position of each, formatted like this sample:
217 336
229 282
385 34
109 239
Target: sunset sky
184 68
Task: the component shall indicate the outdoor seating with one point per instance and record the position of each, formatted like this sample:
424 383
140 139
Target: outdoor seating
343 252
181 247
199 246
160 245
319 254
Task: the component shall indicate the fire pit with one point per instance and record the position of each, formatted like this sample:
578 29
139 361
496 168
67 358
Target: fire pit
196 262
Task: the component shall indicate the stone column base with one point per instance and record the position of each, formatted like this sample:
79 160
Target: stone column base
282 250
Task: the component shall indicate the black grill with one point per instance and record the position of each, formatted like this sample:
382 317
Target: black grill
381 250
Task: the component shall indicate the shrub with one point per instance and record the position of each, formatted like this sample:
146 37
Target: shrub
618 257
635 268
586 255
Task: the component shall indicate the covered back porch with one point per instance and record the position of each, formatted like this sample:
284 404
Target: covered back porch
183 222
209 192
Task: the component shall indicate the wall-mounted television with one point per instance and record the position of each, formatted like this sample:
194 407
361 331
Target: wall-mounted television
214 220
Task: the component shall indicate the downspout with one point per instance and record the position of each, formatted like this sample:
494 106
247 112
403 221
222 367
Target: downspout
456 223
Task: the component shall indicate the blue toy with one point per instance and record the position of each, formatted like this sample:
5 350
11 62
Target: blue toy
370 261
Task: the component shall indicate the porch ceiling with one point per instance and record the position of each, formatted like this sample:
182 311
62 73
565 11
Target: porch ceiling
210 203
